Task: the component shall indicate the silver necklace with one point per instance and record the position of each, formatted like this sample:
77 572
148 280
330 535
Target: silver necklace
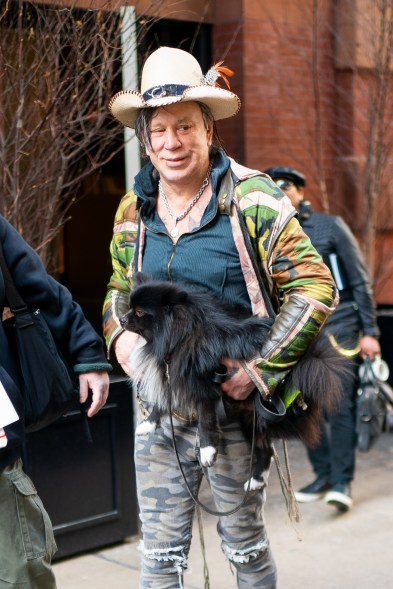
174 232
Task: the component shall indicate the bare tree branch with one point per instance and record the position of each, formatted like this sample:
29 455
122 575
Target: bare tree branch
59 67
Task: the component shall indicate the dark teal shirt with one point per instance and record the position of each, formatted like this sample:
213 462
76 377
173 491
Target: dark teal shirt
206 258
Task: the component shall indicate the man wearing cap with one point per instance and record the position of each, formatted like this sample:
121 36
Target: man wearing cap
352 329
185 220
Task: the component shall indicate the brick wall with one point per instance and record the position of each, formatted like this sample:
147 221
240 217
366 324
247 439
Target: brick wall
303 107
228 45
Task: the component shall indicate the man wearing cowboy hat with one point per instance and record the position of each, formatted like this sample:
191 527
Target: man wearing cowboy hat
185 220
352 329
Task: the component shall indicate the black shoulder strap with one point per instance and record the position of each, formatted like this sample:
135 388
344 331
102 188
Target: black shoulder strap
14 300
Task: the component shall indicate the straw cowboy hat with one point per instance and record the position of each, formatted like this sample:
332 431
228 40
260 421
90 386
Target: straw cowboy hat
172 75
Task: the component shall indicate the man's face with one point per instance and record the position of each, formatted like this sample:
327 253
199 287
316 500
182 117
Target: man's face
180 142
293 192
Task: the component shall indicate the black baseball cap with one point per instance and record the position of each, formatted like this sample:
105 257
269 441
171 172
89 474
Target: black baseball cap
281 172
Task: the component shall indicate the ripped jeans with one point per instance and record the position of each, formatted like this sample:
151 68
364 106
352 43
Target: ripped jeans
167 510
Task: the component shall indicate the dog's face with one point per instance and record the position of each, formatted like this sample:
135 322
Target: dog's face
139 319
153 308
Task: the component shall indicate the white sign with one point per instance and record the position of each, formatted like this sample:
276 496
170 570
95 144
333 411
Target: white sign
7 411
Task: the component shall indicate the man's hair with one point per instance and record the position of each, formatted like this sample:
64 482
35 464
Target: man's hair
145 115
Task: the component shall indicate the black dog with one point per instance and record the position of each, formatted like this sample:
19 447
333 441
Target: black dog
186 334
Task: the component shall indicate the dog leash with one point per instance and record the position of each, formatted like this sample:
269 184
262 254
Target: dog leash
192 495
286 485
273 409
206 574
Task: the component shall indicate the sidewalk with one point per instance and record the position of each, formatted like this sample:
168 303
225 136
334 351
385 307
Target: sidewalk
336 551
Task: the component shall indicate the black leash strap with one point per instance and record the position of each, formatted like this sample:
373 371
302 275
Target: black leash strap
271 409
194 497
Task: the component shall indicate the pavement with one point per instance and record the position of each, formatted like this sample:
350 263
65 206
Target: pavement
325 550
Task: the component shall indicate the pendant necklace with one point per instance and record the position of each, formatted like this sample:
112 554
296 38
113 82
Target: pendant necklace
174 232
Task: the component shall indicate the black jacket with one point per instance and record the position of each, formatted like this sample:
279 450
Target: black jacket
334 240
73 333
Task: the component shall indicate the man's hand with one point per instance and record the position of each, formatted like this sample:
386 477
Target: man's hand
123 346
240 385
98 382
369 346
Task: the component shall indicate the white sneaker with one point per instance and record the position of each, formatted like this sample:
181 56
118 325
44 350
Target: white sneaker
340 496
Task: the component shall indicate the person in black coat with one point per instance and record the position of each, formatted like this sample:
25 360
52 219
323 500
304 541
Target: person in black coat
352 329
26 536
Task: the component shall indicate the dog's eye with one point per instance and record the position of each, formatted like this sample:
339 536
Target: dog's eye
139 312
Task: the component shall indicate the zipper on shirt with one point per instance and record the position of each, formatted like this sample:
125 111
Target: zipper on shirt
174 244
168 267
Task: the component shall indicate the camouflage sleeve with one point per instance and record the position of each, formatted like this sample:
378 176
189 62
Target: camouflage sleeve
122 249
310 296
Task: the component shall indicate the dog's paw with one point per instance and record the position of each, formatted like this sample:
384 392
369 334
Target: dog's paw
254 484
145 427
208 455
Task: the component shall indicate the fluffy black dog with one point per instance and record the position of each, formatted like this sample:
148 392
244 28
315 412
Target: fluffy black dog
177 368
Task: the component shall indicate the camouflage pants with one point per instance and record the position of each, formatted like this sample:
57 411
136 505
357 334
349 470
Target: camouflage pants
167 510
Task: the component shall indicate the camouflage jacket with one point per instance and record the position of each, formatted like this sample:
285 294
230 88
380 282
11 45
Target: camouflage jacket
286 262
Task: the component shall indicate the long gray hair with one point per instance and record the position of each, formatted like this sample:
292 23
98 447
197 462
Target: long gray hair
145 115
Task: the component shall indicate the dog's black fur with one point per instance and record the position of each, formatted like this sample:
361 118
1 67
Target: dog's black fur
187 334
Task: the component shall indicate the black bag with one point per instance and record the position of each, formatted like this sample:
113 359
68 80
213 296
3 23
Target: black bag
374 407
49 387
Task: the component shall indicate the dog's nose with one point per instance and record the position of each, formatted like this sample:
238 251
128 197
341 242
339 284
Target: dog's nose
123 320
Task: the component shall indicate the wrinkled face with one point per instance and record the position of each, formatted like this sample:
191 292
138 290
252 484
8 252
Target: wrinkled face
180 142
